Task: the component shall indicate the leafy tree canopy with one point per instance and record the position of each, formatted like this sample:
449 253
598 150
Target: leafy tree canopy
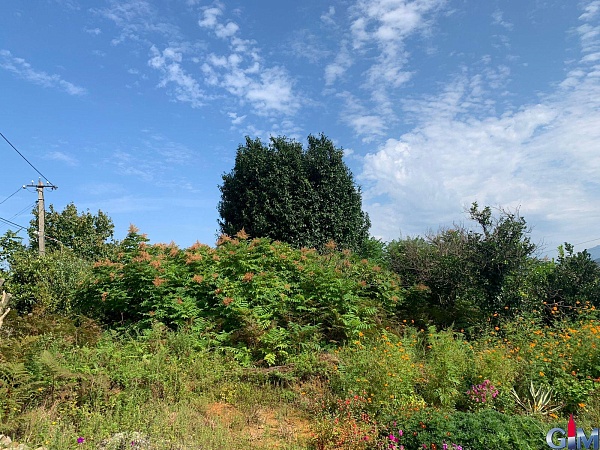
463 275
303 197
87 235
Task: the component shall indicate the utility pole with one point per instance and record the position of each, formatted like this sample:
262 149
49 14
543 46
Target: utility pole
41 214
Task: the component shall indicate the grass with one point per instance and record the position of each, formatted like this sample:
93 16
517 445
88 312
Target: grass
56 388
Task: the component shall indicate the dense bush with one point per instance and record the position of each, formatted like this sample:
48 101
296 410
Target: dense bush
487 429
49 284
459 276
302 197
262 299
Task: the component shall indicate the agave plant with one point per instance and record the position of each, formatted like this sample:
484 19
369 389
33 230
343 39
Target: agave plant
539 401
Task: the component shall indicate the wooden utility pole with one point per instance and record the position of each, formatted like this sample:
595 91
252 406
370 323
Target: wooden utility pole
41 214
41 219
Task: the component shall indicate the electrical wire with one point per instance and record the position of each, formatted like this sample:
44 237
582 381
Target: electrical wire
28 207
11 195
26 160
587 242
12 223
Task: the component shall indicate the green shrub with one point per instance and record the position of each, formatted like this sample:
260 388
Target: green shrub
381 367
259 300
448 368
487 429
48 284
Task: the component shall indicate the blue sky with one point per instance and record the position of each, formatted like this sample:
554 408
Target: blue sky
137 107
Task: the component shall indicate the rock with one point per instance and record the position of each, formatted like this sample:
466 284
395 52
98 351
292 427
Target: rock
7 443
134 440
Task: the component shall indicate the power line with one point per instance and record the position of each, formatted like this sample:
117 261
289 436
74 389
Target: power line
24 209
587 242
21 155
11 195
12 223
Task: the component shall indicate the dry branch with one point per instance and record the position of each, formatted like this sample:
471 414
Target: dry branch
4 309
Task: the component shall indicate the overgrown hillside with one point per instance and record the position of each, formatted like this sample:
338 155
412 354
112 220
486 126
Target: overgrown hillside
463 339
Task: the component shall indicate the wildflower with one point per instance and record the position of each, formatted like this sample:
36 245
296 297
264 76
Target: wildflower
242 234
158 281
80 440
198 278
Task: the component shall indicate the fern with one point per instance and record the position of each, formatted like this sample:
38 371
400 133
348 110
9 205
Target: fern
17 387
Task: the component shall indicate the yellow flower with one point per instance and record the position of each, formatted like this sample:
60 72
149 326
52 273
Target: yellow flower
541 374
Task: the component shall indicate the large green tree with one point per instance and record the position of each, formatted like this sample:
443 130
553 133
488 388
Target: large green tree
49 283
88 235
462 276
303 197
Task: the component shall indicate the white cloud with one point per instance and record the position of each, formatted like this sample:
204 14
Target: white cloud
168 62
210 17
364 123
95 31
63 157
235 119
591 10
498 19
137 19
542 157
327 18
387 24
242 73
336 69
272 92
23 69
376 38
307 45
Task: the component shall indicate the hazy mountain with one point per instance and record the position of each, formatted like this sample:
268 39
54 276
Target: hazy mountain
595 252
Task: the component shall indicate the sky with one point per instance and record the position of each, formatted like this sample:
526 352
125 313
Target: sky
136 108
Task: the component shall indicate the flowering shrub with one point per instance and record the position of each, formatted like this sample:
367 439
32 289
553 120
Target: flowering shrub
346 425
263 300
482 395
382 365
434 429
394 441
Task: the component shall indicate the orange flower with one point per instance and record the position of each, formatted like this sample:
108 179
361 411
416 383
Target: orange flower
158 281
242 234
192 257
197 278
227 301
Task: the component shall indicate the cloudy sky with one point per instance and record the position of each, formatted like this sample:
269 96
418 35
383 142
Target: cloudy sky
137 107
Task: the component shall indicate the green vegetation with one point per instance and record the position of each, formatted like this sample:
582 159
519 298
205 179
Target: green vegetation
304 197
463 339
